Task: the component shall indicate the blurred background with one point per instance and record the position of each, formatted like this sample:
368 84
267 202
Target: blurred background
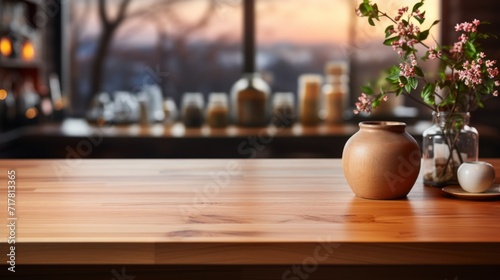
118 78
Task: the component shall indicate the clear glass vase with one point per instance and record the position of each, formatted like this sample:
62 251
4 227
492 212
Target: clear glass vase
446 145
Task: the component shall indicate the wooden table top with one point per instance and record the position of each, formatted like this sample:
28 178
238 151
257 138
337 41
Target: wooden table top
255 211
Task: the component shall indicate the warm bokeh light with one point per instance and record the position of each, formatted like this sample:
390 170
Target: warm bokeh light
28 51
59 104
325 21
46 106
31 113
3 94
5 46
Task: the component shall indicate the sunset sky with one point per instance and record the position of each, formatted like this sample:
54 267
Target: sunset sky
291 21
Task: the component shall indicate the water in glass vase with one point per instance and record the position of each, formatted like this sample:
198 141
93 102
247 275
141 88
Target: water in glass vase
446 145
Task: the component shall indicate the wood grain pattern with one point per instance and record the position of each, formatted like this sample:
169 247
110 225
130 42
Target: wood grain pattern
234 212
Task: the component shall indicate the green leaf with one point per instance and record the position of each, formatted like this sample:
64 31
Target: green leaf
392 78
482 36
428 94
442 74
492 35
370 21
419 71
408 87
434 23
388 29
483 90
417 6
420 20
367 89
394 73
470 49
388 41
365 8
413 82
472 36
421 36
375 11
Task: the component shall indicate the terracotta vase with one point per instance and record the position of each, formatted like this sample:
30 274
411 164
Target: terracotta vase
381 160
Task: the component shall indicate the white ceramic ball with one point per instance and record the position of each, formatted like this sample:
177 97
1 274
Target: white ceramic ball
476 176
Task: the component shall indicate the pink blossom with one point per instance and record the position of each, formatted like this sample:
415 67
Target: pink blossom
495 93
497 83
358 13
476 22
413 60
411 42
407 70
467 26
400 13
364 104
492 72
405 33
471 74
433 54
482 55
457 48
385 98
463 38
418 14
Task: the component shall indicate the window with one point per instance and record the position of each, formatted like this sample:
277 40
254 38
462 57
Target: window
195 45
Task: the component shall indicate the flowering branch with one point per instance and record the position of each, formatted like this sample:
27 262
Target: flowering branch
466 76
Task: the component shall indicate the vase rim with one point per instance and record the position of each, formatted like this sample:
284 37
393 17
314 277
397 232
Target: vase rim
383 125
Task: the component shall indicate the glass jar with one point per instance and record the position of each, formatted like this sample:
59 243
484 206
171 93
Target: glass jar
192 109
250 101
446 145
336 93
283 109
310 99
170 111
217 110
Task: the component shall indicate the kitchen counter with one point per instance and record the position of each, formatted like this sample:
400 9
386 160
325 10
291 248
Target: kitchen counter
76 138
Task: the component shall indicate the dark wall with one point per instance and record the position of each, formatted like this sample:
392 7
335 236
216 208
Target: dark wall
457 11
